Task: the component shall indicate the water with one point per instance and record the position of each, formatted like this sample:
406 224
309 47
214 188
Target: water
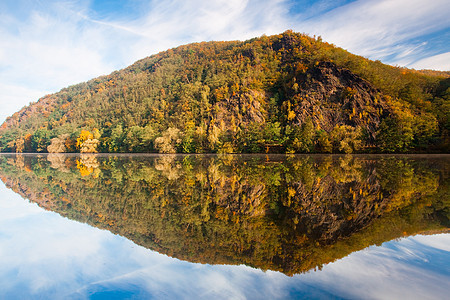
224 227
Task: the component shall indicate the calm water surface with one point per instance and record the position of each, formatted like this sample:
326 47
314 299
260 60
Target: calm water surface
224 227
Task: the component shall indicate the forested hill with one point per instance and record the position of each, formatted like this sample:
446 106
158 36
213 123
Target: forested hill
283 93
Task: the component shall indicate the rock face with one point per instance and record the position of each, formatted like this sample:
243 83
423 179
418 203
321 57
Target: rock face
330 96
242 108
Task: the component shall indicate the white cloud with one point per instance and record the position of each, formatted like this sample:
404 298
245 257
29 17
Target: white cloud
45 53
436 62
171 23
378 29
59 44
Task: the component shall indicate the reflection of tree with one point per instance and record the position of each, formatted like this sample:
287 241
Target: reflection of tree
58 161
168 167
282 213
20 161
87 164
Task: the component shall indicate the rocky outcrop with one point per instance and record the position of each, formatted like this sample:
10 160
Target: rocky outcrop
331 96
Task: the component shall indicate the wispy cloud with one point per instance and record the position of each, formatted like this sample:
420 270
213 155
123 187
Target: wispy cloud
381 29
171 23
437 62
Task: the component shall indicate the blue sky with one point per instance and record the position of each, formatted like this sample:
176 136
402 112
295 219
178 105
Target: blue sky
46 45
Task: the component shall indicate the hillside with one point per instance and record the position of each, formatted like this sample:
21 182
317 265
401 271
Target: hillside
283 93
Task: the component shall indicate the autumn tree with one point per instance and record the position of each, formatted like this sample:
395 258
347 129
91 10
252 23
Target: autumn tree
86 142
346 139
169 141
58 144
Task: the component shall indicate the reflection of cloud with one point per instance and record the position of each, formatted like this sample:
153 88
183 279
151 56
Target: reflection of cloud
397 270
51 256
40 248
440 241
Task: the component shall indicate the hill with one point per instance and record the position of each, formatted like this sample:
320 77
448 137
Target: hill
283 93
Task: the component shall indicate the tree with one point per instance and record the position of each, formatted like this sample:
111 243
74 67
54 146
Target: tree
84 136
323 143
40 140
425 128
16 145
169 141
116 142
394 135
58 144
346 138
301 138
89 146
134 139
86 142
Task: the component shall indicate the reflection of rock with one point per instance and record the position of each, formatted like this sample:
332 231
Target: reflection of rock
331 210
58 161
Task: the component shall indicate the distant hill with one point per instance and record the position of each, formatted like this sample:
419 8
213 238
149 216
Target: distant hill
283 93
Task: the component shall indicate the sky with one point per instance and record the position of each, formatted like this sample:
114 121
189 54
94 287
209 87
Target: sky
46 45
46 256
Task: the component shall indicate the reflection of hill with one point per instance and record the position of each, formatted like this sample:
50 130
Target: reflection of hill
288 214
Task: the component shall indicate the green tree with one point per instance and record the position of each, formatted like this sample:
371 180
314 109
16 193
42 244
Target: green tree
40 140
301 138
394 135
346 139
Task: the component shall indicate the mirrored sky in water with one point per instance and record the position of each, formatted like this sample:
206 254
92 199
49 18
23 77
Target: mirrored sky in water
43 255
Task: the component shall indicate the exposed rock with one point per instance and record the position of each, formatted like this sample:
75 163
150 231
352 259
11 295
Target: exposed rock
330 96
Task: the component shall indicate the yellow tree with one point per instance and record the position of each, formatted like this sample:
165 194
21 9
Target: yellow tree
84 136
86 142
